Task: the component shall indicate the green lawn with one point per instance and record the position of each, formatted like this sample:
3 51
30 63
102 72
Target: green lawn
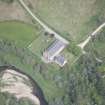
48 76
23 34
48 86
40 44
97 46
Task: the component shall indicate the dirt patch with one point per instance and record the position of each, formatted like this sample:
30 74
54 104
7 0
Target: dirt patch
16 85
20 85
13 11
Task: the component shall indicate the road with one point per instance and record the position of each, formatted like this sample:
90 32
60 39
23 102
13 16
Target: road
48 29
84 43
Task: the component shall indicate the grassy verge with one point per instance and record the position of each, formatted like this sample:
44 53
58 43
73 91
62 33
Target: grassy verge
73 19
15 37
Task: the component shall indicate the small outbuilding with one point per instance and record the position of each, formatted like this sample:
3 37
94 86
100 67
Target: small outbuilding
52 53
60 60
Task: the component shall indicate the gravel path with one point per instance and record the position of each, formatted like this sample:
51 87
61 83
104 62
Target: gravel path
84 43
48 29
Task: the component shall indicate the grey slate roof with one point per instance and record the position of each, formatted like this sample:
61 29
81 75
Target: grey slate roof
60 60
55 47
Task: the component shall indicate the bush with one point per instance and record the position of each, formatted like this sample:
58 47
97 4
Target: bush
73 48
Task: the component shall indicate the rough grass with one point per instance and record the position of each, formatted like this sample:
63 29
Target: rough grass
40 44
97 45
23 34
72 18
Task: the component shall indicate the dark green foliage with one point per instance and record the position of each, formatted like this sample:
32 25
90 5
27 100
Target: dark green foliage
97 45
7 99
73 48
80 84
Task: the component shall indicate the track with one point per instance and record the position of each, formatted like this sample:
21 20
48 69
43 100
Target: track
84 43
48 29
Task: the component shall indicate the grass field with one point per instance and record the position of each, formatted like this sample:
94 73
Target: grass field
74 19
23 34
40 44
97 46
